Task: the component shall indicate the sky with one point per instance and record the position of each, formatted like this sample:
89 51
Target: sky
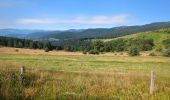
81 14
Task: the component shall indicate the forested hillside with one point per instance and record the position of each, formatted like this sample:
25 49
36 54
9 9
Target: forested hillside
107 32
157 41
158 36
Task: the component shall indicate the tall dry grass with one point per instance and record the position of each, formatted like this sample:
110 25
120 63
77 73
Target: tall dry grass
61 85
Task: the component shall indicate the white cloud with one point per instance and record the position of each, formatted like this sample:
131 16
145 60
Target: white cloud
88 20
34 21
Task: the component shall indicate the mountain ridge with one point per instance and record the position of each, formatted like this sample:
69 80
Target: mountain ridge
82 33
109 32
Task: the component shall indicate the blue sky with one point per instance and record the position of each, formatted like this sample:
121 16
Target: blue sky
80 14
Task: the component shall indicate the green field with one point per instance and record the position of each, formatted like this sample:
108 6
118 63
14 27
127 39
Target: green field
84 77
88 62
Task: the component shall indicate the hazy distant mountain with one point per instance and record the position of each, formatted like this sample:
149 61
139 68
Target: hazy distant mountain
31 34
75 30
107 32
17 33
37 35
82 33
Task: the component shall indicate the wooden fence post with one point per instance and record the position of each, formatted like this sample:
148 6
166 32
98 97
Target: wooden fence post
22 71
153 76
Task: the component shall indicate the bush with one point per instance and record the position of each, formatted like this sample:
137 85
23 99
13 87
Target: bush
16 50
159 49
46 49
166 52
84 52
98 45
102 52
93 52
58 48
166 43
142 44
133 51
152 54
121 53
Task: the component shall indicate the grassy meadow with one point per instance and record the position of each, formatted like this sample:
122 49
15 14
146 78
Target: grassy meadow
83 77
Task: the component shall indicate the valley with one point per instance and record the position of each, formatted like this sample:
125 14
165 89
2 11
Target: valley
115 68
84 50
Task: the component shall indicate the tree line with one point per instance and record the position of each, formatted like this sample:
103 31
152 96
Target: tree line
132 46
118 45
24 43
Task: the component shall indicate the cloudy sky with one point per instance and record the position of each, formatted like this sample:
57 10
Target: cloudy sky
79 14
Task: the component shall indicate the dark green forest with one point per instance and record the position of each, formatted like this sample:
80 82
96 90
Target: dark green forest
132 46
24 43
119 45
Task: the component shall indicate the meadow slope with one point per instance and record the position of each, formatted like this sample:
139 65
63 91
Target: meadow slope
158 36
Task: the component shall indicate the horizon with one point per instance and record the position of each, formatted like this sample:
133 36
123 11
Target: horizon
65 15
77 28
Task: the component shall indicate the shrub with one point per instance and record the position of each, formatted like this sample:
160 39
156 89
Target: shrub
46 49
93 52
16 50
102 52
166 43
166 52
133 51
121 53
142 44
84 52
152 54
98 45
58 48
159 49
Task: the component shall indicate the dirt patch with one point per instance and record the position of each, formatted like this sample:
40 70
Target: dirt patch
35 52
9 50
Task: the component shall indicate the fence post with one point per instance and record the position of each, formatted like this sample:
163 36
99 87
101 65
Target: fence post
22 71
153 76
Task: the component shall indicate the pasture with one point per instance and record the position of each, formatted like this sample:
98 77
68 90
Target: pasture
77 76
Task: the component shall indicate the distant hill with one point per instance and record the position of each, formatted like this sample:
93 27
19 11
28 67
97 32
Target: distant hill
37 35
17 33
82 33
107 32
30 34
